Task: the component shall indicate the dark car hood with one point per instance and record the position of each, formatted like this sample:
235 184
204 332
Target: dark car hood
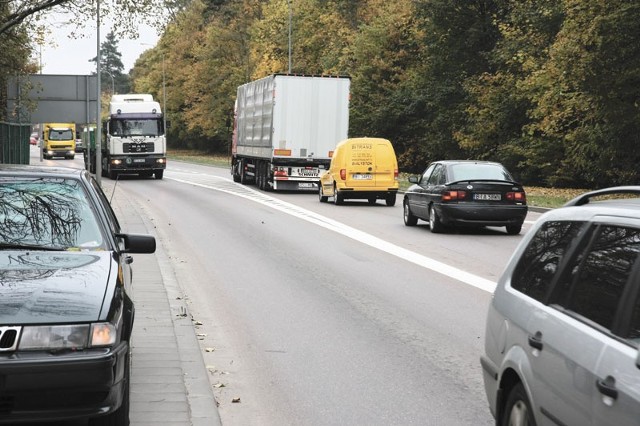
38 287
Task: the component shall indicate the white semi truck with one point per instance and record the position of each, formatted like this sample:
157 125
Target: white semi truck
135 137
286 128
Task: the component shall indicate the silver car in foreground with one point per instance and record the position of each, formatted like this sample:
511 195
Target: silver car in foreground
563 328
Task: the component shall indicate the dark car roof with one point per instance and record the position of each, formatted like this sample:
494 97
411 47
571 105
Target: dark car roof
449 162
31 170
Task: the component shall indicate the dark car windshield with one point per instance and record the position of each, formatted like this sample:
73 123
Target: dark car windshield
476 171
47 212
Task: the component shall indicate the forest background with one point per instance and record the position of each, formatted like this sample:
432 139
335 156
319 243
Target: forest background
550 88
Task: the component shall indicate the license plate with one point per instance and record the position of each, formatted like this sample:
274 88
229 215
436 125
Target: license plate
138 160
308 172
362 177
305 185
487 197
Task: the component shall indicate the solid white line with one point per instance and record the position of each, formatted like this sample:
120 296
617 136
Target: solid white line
355 234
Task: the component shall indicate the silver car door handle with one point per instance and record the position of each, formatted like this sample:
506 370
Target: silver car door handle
607 387
535 341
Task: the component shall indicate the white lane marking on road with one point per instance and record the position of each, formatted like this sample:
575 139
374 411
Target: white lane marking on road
228 186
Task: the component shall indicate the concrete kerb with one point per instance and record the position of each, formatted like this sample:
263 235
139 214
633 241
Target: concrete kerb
174 350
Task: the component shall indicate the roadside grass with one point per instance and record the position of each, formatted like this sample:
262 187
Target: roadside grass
536 196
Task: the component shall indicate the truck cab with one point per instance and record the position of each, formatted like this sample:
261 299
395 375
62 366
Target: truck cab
59 140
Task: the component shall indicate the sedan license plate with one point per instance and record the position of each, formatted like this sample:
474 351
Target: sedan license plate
362 177
487 197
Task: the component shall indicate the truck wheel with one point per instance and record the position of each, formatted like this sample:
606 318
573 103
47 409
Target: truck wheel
158 174
234 172
243 175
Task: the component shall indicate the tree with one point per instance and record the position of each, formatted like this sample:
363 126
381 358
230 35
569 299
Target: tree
111 65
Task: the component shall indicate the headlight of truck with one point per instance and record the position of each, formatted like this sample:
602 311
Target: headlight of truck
57 337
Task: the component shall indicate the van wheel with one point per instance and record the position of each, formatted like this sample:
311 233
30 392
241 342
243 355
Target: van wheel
391 200
372 201
409 218
434 221
338 198
323 198
517 410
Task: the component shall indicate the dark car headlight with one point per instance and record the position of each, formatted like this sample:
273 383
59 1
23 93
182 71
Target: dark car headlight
77 336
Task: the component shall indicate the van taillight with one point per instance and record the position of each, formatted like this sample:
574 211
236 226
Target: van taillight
343 174
395 174
454 195
518 197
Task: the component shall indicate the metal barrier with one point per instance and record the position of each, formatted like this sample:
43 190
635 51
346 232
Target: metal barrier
14 143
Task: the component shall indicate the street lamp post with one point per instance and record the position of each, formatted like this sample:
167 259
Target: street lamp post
113 83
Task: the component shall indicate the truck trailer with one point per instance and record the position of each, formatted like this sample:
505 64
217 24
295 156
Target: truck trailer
134 137
286 128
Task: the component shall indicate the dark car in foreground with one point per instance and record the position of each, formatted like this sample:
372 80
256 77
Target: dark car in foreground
66 311
562 340
465 193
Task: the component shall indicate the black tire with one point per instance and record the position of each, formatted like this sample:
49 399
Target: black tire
338 198
391 200
234 172
120 417
514 229
409 218
323 198
517 409
371 201
434 221
158 174
243 176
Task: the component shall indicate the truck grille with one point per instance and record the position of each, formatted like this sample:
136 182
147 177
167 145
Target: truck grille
138 147
8 338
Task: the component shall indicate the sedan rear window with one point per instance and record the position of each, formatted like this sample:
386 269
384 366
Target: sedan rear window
474 171
47 213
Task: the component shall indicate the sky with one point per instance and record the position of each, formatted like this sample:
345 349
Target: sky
71 56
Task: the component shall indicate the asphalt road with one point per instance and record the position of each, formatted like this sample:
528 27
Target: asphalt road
315 314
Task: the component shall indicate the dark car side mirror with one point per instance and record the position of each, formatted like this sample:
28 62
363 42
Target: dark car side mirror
138 243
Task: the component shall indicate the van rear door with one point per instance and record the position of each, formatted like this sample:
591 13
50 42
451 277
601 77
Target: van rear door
385 165
361 160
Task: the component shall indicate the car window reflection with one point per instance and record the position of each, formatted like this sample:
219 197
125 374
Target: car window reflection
47 213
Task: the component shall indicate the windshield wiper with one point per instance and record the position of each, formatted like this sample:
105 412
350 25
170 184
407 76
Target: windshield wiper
12 246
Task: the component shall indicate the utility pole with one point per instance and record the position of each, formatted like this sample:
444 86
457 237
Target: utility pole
99 106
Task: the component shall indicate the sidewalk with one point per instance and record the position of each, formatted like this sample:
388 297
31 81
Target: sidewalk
169 383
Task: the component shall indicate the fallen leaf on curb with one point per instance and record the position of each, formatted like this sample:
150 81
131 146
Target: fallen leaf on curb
197 323
218 385
201 334
209 349
236 400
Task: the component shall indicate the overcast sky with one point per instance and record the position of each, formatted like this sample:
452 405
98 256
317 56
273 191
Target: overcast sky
70 56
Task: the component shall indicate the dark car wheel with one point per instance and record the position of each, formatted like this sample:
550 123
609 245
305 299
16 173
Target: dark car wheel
434 221
409 218
514 229
517 410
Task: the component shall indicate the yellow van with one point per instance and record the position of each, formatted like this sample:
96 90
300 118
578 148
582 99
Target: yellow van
361 168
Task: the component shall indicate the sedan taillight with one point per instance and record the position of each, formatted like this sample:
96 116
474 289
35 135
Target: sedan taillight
454 195
518 197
